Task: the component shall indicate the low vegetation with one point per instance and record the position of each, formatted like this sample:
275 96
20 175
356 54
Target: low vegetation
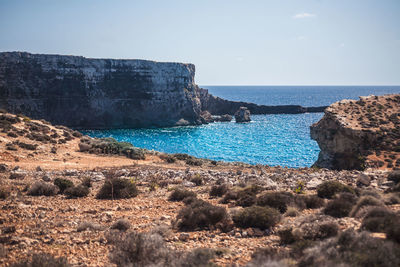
117 188
199 214
179 194
329 188
63 184
41 188
43 260
257 217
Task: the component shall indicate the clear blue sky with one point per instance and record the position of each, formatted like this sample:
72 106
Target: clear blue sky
281 42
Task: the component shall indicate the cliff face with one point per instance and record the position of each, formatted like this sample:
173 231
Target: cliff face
360 134
98 93
107 93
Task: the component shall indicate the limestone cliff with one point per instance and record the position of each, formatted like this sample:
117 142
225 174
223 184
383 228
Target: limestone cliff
98 93
360 134
107 93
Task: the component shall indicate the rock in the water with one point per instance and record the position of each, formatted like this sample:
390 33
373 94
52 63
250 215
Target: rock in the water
242 115
225 117
206 117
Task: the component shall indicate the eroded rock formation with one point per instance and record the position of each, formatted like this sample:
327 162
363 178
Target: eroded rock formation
242 115
108 93
360 134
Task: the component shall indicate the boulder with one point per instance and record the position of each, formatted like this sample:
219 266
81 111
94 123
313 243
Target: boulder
242 115
225 117
206 117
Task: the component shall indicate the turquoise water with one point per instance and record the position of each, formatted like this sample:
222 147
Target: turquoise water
269 139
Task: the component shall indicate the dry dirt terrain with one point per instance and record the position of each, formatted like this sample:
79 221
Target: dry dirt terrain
79 228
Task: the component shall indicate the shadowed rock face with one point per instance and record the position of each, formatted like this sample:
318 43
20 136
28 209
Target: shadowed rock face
360 134
108 93
98 93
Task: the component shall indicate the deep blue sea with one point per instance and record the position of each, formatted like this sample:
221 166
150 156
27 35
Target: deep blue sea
269 139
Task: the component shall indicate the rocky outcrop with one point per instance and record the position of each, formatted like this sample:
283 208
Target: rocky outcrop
98 93
242 115
360 134
219 106
108 93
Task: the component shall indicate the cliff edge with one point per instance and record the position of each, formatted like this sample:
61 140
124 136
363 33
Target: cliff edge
90 93
360 134
98 93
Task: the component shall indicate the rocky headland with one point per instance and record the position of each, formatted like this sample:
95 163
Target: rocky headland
360 134
112 93
72 200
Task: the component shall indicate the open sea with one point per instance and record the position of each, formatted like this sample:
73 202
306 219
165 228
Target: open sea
280 139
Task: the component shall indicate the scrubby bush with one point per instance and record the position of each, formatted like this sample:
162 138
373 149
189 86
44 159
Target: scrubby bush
330 188
218 190
394 176
179 194
352 249
139 249
121 224
280 200
341 206
43 260
116 188
313 201
89 226
194 162
168 158
291 212
378 219
63 184
77 191
197 180
4 192
199 214
393 231
365 201
41 188
149 249
181 156
87 181
257 217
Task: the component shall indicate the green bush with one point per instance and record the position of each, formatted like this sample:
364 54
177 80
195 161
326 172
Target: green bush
330 188
199 214
179 194
116 188
63 184
77 191
257 217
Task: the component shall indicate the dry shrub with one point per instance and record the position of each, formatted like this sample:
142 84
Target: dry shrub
63 184
330 188
121 224
149 249
199 214
41 188
341 206
43 260
4 192
257 217
313 201
117 188
394 176
281 200
364 201
218 190
77 191
378 219
352 249
179 194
